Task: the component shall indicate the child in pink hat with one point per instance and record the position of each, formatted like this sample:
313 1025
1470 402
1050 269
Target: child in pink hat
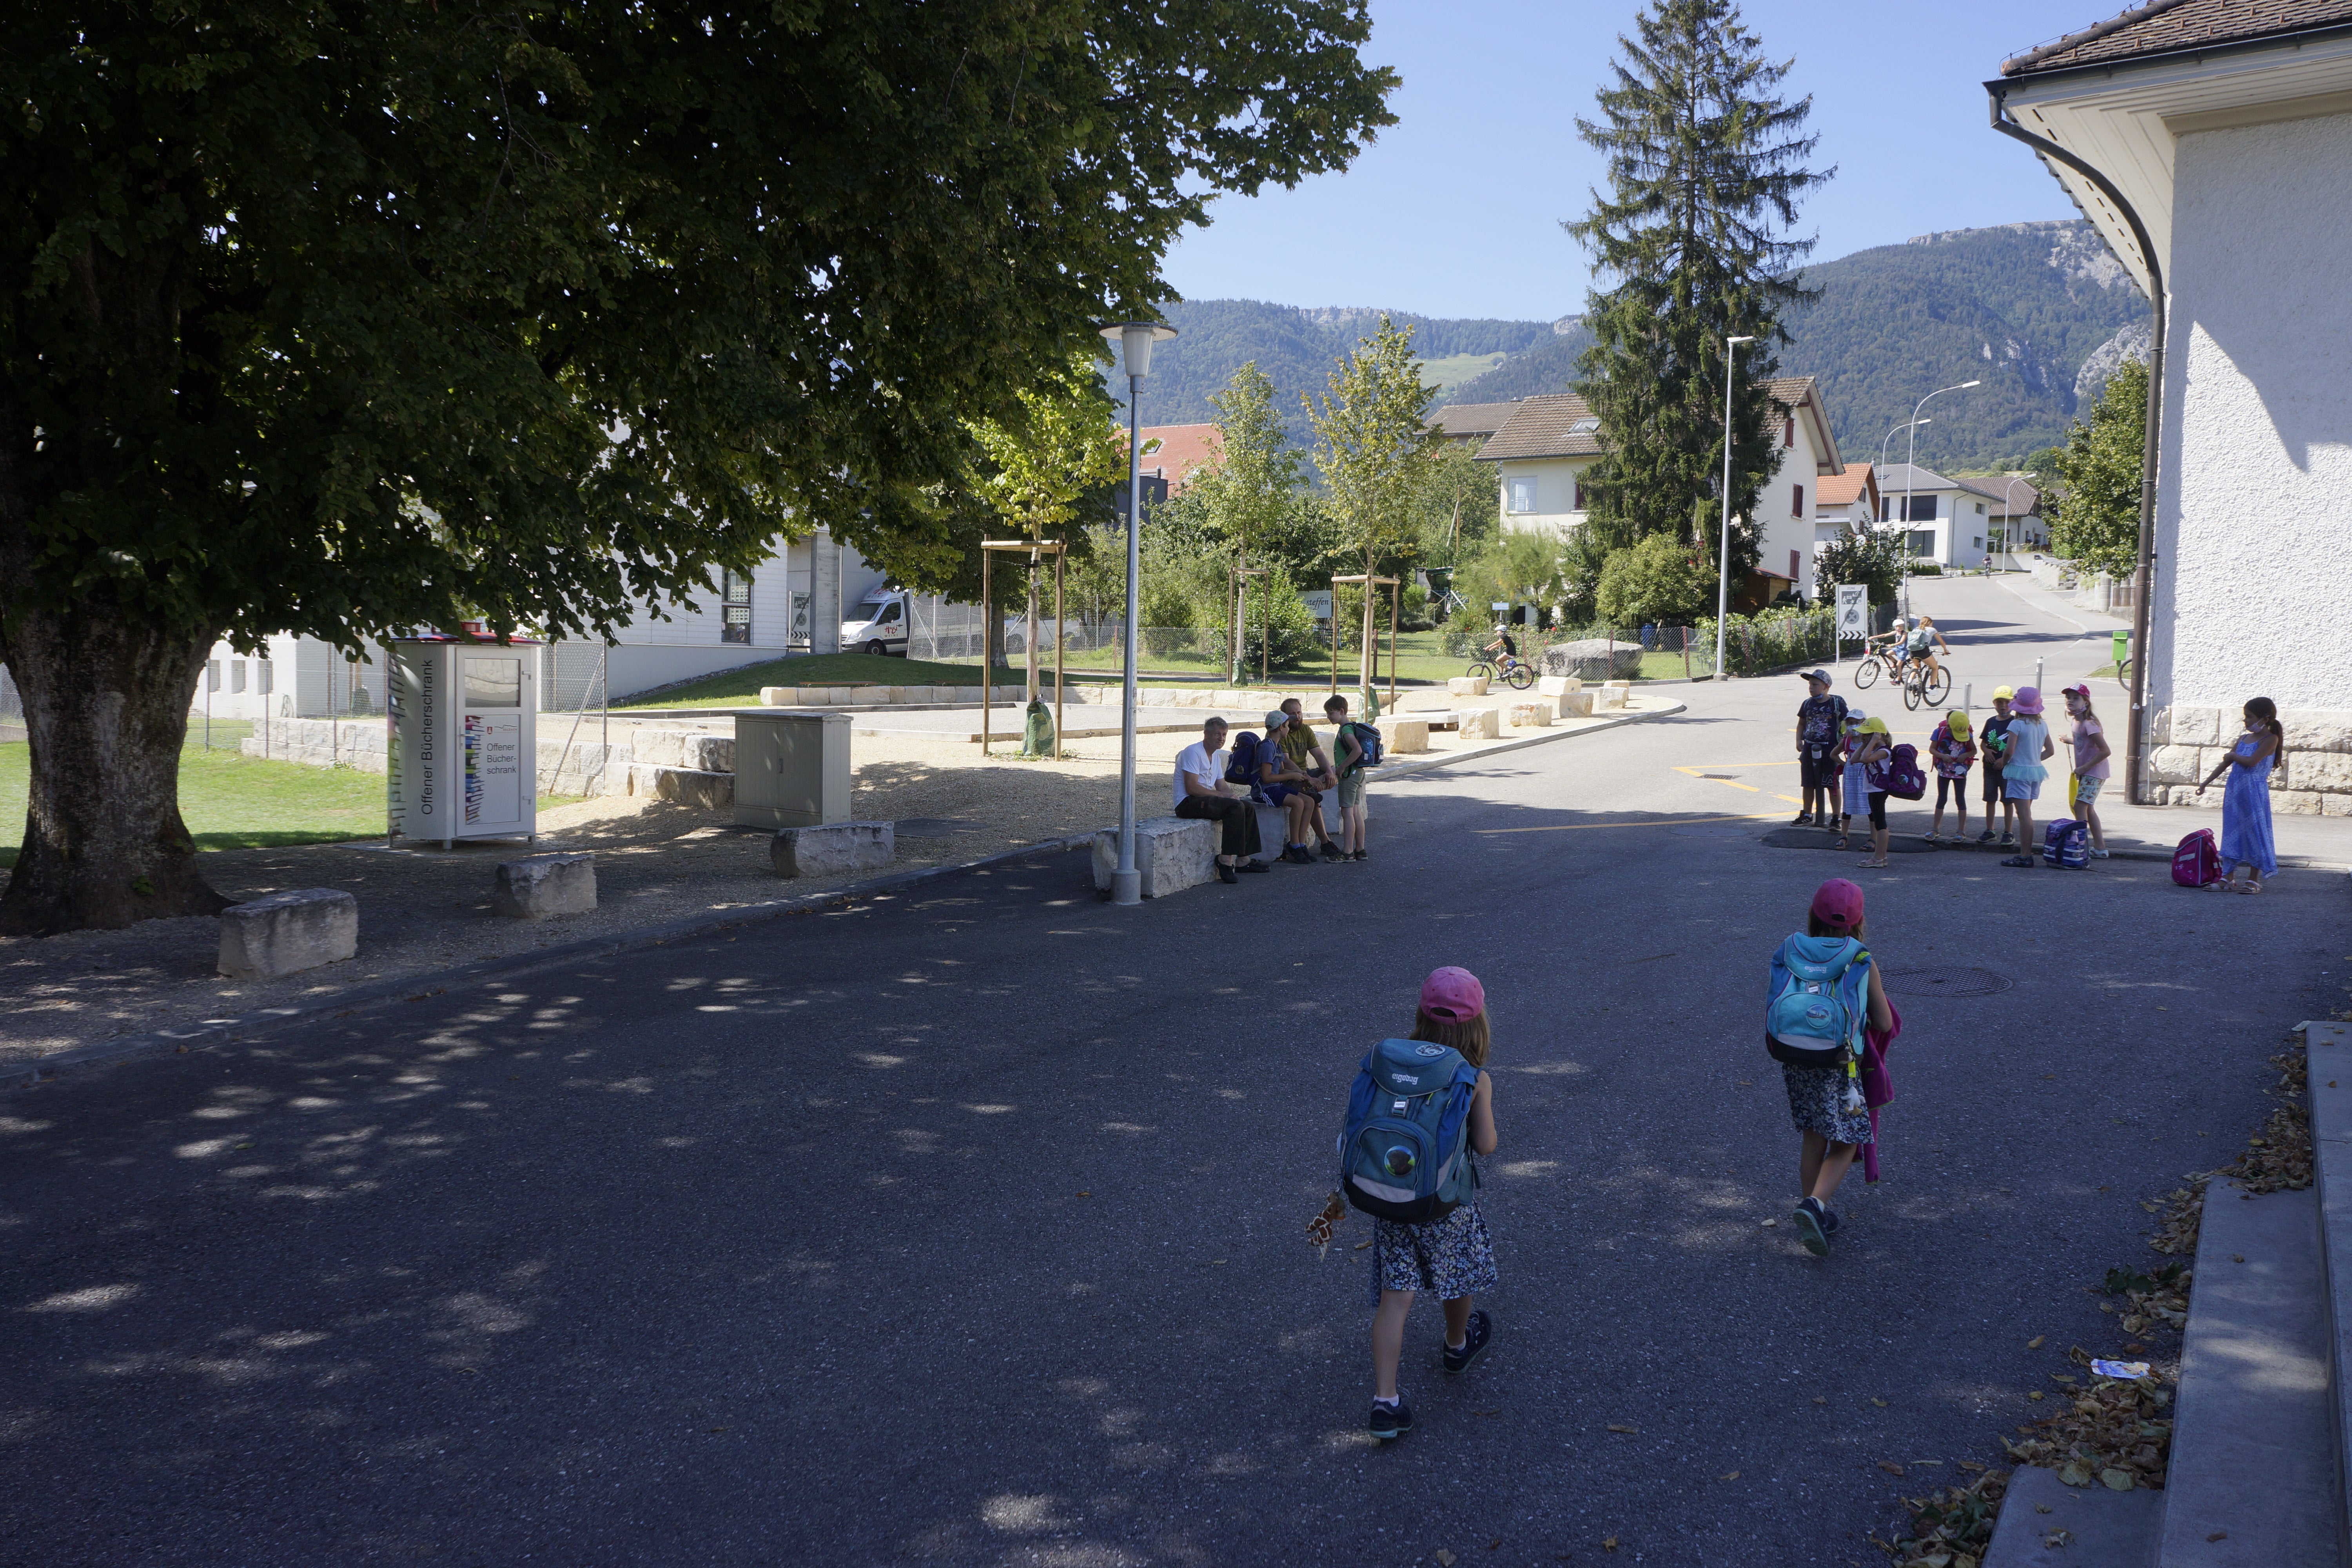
1824 992
1452 1257
2024 768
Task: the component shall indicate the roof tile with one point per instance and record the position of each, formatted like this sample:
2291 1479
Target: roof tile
2165 27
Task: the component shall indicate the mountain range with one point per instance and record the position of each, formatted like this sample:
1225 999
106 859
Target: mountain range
2039 312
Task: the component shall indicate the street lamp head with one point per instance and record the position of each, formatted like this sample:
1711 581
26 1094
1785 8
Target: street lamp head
1729 341
1135 340
1967 384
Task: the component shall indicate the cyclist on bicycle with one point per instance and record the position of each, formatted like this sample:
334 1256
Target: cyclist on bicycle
1893 644
1916 649
1504 650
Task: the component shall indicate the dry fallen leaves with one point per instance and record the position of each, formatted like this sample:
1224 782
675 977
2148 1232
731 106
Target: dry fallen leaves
1890 1467
1445 1558
1730 1476
1953 1525
1609 1544
1630 1430
2035 1342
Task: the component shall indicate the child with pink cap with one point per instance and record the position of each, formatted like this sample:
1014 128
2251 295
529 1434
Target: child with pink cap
2024 768
1452 1257
1825 994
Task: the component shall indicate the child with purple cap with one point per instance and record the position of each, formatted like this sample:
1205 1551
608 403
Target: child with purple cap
2024 768
1452 1257
1824 992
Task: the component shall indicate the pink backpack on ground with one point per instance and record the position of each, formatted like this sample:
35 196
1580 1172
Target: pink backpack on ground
2196 863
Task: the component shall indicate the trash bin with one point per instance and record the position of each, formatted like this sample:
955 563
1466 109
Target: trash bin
792 770
2122 647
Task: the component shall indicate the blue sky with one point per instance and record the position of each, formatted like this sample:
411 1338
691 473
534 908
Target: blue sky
1455 210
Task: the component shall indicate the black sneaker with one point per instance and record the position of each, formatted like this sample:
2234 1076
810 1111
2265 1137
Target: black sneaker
1390 1421
1359 854
1986 837
1225 873
1299 855
1474 1339
1332 851
1814 1222
2026 860
1253 865
1802 819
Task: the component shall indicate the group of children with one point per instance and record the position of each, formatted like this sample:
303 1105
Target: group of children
1840 750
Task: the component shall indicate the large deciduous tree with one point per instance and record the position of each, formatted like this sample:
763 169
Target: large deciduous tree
338 318
1705 170
1374 448
2096 524
1251 491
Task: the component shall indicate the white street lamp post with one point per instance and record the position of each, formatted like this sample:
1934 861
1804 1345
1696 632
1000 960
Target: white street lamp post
1723 529
1910 477
1134 339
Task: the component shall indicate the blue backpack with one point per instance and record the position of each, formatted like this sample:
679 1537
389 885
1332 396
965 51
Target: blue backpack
2066 843
1242 768
1405 1153
1818 1001
1369 738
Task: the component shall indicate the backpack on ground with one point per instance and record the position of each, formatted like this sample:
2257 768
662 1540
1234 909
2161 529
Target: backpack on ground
1900 774
1405 1153
1242 768
2196 863
1817 999
2066 843
1369 737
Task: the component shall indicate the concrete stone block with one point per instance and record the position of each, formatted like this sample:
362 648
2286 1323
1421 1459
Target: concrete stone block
1408 735
542 885
703 790
2316 729
2197 726
2329 771
1579 704
779 696
1617 685
1479 724
1557 685
2177 764
1531 715
2159 727
1172 852
285 933
835 849
1608 700
2300 802
1466 686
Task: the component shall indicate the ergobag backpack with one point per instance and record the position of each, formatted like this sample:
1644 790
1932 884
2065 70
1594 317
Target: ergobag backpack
1405 1153
1243 769
2196 863
2066 843
1900 774
1369 738
1818 1001
1822 724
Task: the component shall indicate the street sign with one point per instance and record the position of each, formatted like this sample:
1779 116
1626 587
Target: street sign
1853 610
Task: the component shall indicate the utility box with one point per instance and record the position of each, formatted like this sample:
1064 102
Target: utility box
461 722
792 770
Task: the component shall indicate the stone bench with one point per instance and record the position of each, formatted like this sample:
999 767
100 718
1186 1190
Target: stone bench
1172 852
285 933
1578 704
1532 715
1479 724
1557 685
834 848
684 786
542 887
1466 686
1407 735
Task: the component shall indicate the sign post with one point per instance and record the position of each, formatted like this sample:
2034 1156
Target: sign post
1852 615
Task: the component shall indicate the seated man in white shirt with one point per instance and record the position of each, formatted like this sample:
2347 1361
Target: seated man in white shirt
1201 792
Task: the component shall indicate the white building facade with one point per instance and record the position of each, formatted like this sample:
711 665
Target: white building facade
1946 520
2227 130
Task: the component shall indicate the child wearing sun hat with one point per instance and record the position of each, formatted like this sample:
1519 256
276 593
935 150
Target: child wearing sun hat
2025 767
1825 994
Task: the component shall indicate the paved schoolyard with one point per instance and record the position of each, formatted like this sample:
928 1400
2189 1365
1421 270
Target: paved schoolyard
965 1228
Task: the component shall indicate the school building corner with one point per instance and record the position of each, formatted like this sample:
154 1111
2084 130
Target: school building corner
2212 145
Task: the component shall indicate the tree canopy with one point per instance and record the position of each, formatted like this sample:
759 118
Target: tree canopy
342 319
2096 524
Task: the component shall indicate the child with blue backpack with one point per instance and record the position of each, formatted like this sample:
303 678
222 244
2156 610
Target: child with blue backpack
1824 992
1421 1108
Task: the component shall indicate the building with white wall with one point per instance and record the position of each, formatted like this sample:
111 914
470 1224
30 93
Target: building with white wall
1541 451
2225 127
1947 520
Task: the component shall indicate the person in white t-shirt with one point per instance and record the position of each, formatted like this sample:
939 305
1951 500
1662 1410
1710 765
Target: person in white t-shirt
1201 792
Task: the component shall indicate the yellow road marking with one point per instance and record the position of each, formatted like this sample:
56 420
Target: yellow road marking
1664 822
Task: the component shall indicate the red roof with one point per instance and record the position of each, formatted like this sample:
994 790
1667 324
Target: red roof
1845 489
1183 449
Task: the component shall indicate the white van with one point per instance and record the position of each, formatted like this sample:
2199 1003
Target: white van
882 629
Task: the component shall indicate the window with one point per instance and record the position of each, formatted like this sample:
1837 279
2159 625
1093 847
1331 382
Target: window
1580 505
1523 495
1788 432
1923 541
212 675
735 613
1978 541
1584 427
1979 509
1796 501
263 674
1792 567
1923 510
237 675
493 682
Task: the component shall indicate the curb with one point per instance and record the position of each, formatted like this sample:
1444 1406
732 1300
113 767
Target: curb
1396 769
417 987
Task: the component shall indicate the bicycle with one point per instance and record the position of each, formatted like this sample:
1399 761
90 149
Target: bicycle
1933 684
2123 673
1876 660
1516 673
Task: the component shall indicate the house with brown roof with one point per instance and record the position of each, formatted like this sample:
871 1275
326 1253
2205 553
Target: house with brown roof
1843 500
1183 448
1471 421
1541 452
2211 142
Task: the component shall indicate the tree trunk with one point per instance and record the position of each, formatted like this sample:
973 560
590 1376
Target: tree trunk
106 706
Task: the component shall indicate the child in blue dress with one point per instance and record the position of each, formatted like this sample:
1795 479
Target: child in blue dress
2246 801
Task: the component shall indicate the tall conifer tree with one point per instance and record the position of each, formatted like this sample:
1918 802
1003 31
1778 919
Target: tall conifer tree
1704 169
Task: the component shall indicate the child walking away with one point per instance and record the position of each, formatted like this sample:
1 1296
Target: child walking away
2024 768
1998 813
1954 749
1824 992
1421 1110
1872 747
1351 760
2246 801
2089 746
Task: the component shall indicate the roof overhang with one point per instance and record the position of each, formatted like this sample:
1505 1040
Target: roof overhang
2124 119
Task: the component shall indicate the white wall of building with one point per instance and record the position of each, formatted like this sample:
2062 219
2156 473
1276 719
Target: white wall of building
1789 507
1554 478
2253 527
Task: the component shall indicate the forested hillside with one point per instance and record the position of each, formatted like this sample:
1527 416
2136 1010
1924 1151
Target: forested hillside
2024 307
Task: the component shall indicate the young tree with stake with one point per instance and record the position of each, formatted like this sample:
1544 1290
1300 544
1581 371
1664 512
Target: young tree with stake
1374 448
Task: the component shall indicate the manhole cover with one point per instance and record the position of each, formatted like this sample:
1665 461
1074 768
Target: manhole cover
1947 980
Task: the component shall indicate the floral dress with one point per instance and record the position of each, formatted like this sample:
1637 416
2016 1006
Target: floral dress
1452 1257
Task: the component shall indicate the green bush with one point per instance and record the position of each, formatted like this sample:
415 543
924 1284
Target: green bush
1768 640
1661 579
1927 568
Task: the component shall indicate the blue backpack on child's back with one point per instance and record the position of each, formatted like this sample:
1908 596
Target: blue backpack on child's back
1369 738
1405 1155
1817 999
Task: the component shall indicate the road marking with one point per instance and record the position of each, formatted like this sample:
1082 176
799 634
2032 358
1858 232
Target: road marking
1662 822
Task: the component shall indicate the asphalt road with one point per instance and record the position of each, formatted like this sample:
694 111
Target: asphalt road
965 1228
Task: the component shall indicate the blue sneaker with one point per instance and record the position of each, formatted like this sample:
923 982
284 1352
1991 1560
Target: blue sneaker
1391 1422
1474 1341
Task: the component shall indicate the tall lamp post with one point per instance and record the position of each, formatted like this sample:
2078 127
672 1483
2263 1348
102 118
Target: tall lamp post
1134 339
1723 529
1911 476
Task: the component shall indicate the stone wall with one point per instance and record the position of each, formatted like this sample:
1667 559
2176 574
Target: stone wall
587 768
2185 744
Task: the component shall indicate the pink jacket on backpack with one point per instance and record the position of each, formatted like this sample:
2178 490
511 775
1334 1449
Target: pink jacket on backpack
1877 1086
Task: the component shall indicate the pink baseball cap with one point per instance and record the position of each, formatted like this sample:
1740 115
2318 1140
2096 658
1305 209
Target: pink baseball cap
1453 995
1838 903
